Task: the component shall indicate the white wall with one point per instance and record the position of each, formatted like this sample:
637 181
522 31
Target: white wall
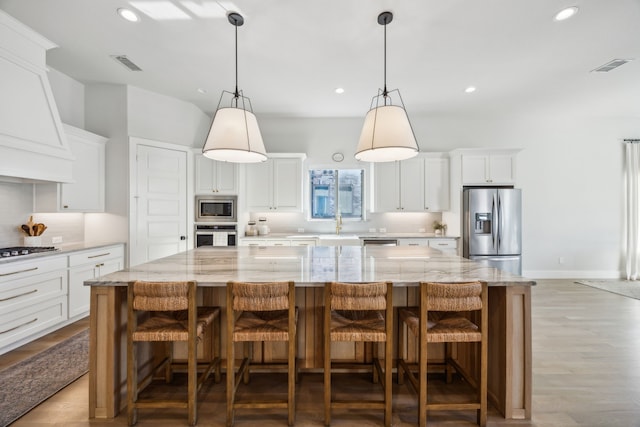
69 96
162 118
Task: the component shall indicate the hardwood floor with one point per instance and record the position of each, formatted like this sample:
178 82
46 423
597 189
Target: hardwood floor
586 372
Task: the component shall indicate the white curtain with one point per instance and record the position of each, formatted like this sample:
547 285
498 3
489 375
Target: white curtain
632 204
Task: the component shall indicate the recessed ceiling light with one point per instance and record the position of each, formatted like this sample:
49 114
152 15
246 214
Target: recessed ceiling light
339 90
470 89
566 13
128 14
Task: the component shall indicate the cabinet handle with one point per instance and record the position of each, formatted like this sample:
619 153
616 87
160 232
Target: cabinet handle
413 244
66 206
19 295
98 256
100 265
18 272
19 326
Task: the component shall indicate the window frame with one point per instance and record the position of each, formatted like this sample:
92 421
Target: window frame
363 195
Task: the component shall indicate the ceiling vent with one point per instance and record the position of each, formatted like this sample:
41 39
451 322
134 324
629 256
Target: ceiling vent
611 65
122 59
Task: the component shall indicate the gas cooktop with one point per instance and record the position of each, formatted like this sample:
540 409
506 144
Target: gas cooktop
24 250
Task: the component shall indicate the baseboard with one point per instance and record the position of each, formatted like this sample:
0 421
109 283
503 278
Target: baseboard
572 274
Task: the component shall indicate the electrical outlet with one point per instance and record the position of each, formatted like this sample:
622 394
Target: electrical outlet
383 230
56 239
561 260
422 230
372 230
300 230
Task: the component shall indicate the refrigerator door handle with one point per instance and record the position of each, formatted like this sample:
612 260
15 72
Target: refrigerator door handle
494 224
500 222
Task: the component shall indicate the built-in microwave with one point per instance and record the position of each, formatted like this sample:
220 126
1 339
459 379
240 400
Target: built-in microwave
216 208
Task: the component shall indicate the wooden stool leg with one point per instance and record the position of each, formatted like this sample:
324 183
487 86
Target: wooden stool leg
327 368
401 351
192 379
291 370
388 382
247 355
231 377
132 383
168 369
216 349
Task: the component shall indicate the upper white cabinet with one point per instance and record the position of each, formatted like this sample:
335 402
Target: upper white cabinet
489 168
275 185
436 184
87 192
214 177
420 184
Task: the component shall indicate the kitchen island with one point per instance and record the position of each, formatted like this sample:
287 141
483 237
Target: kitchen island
310 267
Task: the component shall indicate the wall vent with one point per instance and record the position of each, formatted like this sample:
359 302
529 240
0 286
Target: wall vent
611 65
122 59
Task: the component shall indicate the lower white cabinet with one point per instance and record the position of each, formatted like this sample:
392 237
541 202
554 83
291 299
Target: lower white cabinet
86 265
447 246
33 298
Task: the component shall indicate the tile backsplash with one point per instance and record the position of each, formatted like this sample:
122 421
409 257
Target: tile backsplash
16 205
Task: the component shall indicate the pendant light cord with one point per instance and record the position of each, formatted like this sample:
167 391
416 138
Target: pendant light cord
384 92
236 93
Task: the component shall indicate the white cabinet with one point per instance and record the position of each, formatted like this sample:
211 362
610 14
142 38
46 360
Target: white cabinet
303 242
275 185
413 242
436 184
483 169
87 192
215 177
86 265
420 184
448 246
33 299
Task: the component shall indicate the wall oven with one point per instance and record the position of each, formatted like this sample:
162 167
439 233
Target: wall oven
216 235
216 209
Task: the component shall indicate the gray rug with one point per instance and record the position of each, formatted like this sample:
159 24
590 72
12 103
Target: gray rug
627 288
30 382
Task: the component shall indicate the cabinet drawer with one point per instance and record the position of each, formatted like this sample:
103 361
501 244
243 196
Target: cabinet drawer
443 243
95 255
29 320
413 242
17 270
32 290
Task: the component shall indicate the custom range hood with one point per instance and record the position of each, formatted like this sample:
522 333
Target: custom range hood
33 145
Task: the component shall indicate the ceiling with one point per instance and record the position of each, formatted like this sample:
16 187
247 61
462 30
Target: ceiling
293 54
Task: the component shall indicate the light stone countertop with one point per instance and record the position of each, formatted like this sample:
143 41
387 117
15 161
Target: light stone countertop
63 249
360 235
312 266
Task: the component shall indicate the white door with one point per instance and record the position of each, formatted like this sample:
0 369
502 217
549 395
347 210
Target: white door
161 214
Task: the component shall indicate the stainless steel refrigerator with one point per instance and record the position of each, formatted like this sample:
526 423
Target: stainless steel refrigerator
492 232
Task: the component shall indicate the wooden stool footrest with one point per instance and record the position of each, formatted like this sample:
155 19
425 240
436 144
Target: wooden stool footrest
357 404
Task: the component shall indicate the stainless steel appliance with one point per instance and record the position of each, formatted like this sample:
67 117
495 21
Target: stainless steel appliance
216 235
216 209
24 250
492 232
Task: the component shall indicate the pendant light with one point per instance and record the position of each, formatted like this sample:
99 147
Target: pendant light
234 135
387 134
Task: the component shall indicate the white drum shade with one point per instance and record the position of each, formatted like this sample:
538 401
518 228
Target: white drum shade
386 136
235 137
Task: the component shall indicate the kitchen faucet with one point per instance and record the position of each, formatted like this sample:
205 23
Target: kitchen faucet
338 223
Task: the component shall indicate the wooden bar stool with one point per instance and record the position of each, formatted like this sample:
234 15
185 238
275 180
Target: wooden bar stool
260 312
448 313
360 312
172 315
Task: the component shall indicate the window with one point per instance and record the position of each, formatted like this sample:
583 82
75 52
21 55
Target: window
336 191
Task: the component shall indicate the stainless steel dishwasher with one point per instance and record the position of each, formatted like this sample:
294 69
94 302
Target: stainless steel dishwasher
379 242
